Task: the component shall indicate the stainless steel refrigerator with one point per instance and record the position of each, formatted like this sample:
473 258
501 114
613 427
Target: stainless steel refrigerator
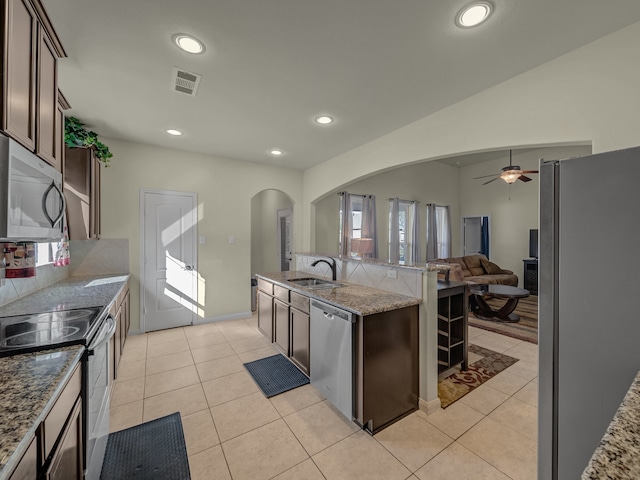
589 293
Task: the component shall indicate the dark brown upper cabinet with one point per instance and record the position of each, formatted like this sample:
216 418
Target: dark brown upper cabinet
29 97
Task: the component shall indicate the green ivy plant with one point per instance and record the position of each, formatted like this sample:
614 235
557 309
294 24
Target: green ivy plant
75 136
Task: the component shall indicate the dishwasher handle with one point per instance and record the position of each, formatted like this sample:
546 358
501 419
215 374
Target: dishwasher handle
330 312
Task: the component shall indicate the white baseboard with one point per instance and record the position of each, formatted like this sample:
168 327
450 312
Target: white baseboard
429 407
201 321
222 318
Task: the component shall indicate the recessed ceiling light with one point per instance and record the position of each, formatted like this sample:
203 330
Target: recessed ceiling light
474 14
174 132
324 120
276 152
188 43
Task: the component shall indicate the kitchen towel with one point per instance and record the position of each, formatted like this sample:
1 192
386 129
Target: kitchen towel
61 256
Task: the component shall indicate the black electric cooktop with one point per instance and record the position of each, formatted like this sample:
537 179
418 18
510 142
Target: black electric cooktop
39 331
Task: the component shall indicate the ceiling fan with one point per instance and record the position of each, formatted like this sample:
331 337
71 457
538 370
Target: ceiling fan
510 174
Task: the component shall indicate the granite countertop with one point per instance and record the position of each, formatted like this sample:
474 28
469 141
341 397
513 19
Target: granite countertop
30 383
72 292
618 455
355 298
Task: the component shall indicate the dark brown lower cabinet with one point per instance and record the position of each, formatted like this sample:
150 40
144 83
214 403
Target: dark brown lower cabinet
121 312
27 468
386 367
281 326
265 314
299 334
66 463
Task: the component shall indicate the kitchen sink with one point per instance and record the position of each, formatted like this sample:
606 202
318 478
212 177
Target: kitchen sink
316 283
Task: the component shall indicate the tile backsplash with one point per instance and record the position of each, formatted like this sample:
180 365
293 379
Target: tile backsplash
99 257
88 257
19 287
391 278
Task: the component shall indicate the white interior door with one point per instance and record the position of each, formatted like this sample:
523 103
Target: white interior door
285 254
170 297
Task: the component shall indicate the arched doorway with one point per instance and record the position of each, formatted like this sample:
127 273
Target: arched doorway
271 231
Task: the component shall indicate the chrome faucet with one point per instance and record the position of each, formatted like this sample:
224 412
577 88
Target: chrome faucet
332 264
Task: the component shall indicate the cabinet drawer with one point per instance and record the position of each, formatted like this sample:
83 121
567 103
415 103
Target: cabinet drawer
265 286
54 423
301 302
281 293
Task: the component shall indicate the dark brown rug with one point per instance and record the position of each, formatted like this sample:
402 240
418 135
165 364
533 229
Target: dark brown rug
526 329
457 385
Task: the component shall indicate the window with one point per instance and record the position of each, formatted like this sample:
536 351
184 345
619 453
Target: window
356 216
358 226
402 228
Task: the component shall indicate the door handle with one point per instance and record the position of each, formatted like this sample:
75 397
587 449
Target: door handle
188 268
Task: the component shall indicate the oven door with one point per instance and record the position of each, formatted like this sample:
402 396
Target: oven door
97 395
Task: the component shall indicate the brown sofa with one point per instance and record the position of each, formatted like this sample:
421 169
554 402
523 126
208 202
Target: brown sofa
477 269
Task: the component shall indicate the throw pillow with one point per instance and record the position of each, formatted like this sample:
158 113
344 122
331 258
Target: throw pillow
490 267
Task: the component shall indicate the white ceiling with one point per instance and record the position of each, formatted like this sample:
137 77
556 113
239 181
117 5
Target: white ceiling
271 66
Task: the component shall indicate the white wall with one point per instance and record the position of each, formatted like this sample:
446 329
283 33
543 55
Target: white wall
587 96
513 210
427 182
224 187
264 230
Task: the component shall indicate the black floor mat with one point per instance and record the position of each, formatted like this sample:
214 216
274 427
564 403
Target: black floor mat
275 375
152 450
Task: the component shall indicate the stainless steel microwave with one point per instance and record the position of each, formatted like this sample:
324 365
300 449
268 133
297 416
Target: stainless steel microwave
31 200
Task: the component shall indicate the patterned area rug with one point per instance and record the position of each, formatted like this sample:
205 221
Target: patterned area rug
457 385
526 329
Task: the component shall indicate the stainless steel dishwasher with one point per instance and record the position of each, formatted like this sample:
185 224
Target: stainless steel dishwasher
331 355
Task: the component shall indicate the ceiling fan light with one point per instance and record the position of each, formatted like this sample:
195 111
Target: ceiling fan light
510 176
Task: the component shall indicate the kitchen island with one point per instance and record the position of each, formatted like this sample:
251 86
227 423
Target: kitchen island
357 299
383 339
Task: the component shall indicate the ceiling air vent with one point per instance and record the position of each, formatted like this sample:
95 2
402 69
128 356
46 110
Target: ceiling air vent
185 81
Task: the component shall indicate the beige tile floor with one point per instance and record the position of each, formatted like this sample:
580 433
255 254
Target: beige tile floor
233 431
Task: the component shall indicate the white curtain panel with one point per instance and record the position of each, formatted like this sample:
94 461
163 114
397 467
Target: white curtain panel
438 231
432 233
443 217
394 230
369 227
415 233
345 223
